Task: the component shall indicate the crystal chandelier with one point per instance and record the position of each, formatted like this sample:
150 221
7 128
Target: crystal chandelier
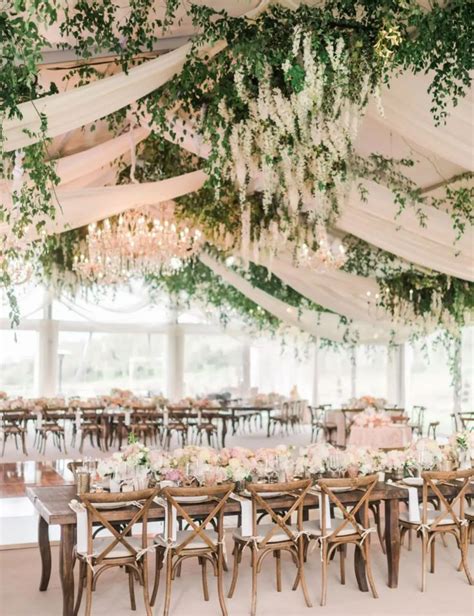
136 244
327 256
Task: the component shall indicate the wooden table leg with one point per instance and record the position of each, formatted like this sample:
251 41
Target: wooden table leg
66 562
45 552
223 431
268 423
392 540
359 564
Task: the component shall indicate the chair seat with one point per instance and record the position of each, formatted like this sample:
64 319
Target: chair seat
119 551
431 517
264 529
196 544
312 526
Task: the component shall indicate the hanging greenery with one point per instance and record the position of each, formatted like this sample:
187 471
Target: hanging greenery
279 106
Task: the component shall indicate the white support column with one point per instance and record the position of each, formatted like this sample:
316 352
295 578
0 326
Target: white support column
315 392
245 387
457 376
353 373
402 376
174 362
396 375
47 384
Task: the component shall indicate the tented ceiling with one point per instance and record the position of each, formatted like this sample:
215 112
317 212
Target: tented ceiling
87 158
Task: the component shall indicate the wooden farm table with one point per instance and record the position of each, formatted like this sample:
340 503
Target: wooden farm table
235 410
52 504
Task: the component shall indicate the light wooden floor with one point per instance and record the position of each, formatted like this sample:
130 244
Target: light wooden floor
448 593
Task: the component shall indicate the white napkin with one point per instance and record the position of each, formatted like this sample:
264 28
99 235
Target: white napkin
413 503
199 418
128 416
39 420
246 515
322 496
174 524
166 417
81 518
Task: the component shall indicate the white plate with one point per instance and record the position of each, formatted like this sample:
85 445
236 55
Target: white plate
106 506
413 481
264 494
188 500
335 490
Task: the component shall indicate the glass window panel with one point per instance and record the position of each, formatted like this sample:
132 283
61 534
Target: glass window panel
429 382
212 363
371 370
278 368
334 376
18 362
94 362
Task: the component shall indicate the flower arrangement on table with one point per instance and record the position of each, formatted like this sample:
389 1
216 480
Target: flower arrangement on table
207 466
423 455
372 419
366 402
461 448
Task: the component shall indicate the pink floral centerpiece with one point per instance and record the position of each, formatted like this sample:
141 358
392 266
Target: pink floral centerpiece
372 419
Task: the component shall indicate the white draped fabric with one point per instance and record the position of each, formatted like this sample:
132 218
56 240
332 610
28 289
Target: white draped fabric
433 245
80 106
407 105
76 166
325 325
346 294
76 208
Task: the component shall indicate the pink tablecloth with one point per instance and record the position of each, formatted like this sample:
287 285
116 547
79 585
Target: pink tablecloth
389 436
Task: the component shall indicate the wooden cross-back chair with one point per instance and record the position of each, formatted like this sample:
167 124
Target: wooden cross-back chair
444 520
352 528
274 538
14 425
120 550
194 542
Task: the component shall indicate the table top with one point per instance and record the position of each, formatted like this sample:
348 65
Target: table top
52 503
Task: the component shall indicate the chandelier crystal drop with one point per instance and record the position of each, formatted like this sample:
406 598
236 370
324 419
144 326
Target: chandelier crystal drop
136 244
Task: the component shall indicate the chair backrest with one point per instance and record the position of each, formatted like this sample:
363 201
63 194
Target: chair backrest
432 480
418 413
317 414
120 537
280 523
218 495
365 485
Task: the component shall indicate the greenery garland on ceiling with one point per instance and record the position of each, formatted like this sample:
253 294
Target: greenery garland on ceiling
343 49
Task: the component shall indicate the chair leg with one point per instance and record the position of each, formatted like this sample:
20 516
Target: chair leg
158 566
301 575
146 596
220 575
205 589
342 557
131 589
235 570
463 543
277 555
253 610
432 555
423 561
324 573
368 565
89 592
80 589
169 567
